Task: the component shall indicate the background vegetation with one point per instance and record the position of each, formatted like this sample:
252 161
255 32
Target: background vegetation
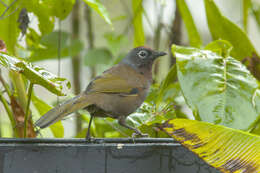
215 81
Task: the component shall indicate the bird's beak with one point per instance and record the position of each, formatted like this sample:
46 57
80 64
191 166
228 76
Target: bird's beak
158 54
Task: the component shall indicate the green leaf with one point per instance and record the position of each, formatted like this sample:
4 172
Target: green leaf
42 107
193 34
35 74
221 47
98 56
139 37
64 7
170 78
218 90
226 149
222 28
9 31
48 48
100 9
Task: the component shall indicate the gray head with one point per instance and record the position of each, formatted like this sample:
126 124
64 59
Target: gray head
142 57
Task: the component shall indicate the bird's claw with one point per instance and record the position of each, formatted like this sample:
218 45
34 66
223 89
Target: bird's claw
90 140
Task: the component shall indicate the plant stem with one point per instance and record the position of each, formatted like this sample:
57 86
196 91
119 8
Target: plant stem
76 59
175 34
27 108
19 86
90 35
5 85
9 113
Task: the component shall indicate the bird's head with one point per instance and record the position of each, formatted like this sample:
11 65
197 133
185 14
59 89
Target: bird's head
142 57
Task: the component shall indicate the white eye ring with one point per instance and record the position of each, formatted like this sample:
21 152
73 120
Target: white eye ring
142 54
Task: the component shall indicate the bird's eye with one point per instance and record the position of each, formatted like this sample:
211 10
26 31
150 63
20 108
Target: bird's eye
142 54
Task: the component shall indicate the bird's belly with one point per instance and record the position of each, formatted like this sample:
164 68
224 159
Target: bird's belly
117 105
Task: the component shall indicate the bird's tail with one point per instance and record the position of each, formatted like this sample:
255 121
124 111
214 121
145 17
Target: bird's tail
62 110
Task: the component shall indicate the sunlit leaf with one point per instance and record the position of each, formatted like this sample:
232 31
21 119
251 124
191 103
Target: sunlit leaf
42 107
222 28
35 74
139 37
193 34
100 9
226 149
218 90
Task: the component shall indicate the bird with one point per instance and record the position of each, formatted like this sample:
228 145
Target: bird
116 93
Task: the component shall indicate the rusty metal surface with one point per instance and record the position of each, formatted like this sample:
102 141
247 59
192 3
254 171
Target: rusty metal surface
100 156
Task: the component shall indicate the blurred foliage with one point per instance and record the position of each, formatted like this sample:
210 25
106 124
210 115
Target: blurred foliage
194 36
212 81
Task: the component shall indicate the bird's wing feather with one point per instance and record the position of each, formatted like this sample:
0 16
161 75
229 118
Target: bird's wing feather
115 81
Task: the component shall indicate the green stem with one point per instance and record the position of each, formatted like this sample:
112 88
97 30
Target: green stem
5 85
27 108
9 113
76 60
19 86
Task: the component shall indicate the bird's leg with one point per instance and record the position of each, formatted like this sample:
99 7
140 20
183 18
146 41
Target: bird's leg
89 126
121 121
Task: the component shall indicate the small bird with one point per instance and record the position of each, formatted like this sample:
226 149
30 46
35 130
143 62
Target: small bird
116 93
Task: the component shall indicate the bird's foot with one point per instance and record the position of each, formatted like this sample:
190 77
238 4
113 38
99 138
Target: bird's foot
142 135
90 140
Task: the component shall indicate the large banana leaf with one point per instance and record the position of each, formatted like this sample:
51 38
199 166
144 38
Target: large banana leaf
226 149
218 89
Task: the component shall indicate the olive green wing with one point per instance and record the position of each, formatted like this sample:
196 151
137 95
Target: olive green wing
112 82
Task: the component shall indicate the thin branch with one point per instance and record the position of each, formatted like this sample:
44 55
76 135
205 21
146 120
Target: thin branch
3 3
27 108
59 55
2 15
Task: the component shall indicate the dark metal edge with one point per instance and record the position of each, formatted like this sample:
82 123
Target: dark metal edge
83 141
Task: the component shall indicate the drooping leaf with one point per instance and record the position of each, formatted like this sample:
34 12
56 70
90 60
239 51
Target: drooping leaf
139 37
193 34
35 74
97 56
222 28
42 107
47 47
218 90
226 149
100 9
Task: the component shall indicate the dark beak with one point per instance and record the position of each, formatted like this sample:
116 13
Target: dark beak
158 54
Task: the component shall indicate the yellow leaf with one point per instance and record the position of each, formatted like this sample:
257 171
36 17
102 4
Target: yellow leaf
226 149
